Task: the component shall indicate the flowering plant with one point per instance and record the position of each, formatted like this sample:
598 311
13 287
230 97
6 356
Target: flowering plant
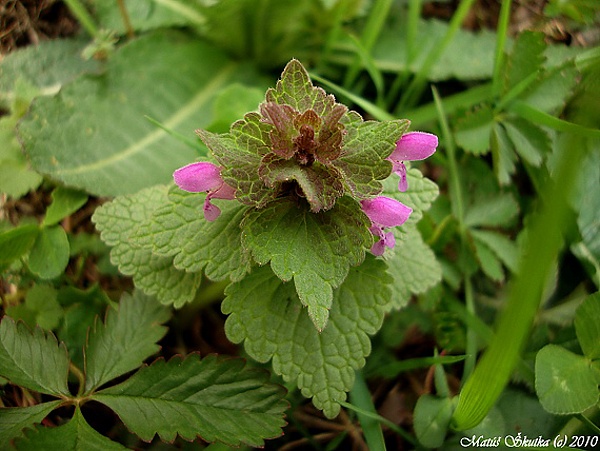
292 207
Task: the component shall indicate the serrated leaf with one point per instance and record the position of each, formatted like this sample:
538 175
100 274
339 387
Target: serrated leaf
496 211
14 419
153 274
526 58
366 145
49 255
17 242
240 153
565 383
420 194
268 317
65 201
472 131
503 154
488 261
588 327
125 340
553 91
216 399
413 267
180 231
33 360
92 112
505 249
314 249
530 141
75 435
431 420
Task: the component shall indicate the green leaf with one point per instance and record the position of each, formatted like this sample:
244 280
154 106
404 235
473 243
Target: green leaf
267 315
14 419
16 179
488 261
65 201
33 360
587 202
530 141
76 435
118 151
526 58
472 131
240 153
505 249
153 274
46 66
232 103
17 242
587 326
496 211
553 91
431 419
49 255
565 383
125 340
413 267
314 249
40 308
366 146
180 231
503 154
214 398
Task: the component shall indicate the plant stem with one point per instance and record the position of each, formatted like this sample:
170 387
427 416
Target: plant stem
80 377
83 16
502 32
126 20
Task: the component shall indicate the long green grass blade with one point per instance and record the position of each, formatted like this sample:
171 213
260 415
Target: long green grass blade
544 234
502 34
361 397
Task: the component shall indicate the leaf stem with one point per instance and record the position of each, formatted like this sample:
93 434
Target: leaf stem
585 420
502 32
80 377
83 16
126 19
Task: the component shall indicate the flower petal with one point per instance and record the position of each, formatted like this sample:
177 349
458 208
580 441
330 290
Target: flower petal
386 212
403 183
223 192
198 177
414 146
211 211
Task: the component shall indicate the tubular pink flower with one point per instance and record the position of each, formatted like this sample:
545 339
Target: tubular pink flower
384 212
200 177
411 146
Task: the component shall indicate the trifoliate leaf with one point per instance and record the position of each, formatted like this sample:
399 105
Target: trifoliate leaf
14 419
587 327
267 315
472 131
33 360
530 141
314 249
413 267
125 340
49 255
526 58
153 274
178 230
76 435
566 383
366 146
240 153
216 399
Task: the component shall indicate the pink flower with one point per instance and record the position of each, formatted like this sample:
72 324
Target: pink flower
200 177
384 213
411 147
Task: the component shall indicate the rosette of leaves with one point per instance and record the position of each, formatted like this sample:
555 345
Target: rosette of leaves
300 166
